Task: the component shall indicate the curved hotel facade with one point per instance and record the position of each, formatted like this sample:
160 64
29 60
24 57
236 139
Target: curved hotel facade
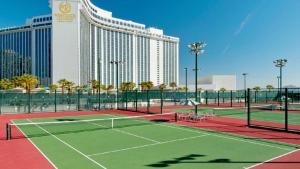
78 41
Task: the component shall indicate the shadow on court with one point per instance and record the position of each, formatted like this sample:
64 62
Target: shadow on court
189 159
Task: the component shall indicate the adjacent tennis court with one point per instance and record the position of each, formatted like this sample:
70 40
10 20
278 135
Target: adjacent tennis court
154 141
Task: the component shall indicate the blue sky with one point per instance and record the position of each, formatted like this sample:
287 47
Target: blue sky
242 35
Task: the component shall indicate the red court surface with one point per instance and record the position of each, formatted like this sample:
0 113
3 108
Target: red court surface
21 154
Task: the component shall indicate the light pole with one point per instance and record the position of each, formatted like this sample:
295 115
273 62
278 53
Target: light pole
196 48
245 80
278 82
186 89
117 78
280 63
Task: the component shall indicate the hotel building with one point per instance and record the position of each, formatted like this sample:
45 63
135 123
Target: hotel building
78 41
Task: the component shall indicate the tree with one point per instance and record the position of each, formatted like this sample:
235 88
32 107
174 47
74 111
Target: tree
127 86
109 88
173 85
257 88
62 83
53 87
223 89
269 87
149 85
16 81
95 85
162 87
69 86
6 84
28 82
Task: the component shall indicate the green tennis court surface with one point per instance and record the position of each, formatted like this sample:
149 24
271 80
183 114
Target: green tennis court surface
137 143
240 113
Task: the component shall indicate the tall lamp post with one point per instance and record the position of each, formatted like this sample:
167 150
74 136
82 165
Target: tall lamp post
186 89
278 82
280 63
196 48
117 78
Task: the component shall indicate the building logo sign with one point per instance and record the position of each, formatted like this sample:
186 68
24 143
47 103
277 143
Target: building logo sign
65 12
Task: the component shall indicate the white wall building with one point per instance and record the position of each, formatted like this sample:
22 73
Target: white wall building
216 82
80 40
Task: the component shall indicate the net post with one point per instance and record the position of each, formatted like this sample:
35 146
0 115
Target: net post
8 131
248 108
286 110
55 100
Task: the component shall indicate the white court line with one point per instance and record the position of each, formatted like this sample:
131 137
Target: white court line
148 145
36 147
272 159
229 138
180 127
69 146
128 133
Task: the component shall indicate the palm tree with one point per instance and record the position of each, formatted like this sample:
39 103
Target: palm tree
16 81
69 86
95 85
62 83
131 85
6 84
162 87
149 85
109 88
223 89
257 88
28 82
53 87
173 85
144 85
269 87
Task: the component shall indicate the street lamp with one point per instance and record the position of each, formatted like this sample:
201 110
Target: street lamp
280 63
278 82
117 78
245 80
196 48
186 89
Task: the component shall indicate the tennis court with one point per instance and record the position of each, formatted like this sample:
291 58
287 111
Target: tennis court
113 141
241 113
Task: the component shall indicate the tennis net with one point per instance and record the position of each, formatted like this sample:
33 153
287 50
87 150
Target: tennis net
68 125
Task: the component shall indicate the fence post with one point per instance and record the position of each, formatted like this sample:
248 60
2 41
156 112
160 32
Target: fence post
231 104
161 102
126 100
218 98
78 100
1 97
267 96
286 110
29 102
99 98
246 97
136 100
206 97
148 102
55 100
248 108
